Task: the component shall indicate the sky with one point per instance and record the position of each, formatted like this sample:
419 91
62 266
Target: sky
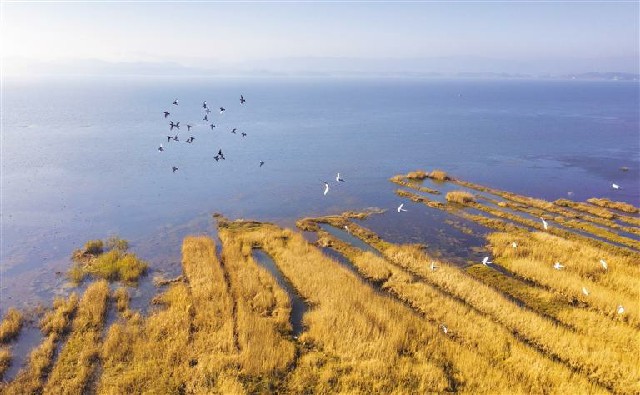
597 35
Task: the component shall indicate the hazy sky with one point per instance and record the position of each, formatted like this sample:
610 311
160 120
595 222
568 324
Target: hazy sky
197 34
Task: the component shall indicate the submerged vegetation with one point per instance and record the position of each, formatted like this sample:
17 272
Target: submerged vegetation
388 318
116 264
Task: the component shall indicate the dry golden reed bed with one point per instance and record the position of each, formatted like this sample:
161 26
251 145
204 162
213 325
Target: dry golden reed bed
223 326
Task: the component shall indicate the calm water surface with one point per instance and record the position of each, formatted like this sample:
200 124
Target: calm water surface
80 159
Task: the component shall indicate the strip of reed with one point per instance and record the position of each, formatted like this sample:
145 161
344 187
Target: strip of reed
77 360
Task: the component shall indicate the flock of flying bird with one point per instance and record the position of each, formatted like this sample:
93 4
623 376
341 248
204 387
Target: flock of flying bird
176 125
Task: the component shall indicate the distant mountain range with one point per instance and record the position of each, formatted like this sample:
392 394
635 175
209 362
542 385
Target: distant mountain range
444 67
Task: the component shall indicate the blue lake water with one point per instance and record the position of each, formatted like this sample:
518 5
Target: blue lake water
80 159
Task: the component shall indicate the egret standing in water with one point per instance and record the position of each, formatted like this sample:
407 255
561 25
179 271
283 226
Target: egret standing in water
326 188
544 224
338 179
615 186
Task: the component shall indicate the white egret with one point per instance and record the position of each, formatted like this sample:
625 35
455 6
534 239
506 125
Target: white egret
585 291
558 266
485 260
615 186
620 309
433 266
514 244
338 179
544 224
326 188
604 264
444 328
400 207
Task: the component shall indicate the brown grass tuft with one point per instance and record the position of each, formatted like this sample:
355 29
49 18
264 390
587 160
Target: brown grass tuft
460 197
10 326
621 206
439 175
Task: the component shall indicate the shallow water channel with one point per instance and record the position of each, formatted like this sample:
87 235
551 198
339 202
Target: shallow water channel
298 305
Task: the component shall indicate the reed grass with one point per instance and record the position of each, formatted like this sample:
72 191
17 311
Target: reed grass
460 197
522 365
534 258
11 325
609 368
360 341
579 206
620 206
5 360
77 359
439 175
54 325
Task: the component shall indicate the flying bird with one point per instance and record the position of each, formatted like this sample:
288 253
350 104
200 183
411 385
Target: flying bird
174 125
261 163
204 104
485 261
544 224
338 179
189 127
615 186
207 110
212 126
585 291
221 154
234 130
160 148
174 169
217 158
175 102
222 110
604 264
175 138
242 99
400 207
169 138
166 114
190 139
558 266
244 134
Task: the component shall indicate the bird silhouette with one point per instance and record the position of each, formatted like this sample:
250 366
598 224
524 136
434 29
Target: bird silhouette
160 148
222 110
166 114
174 125
206 118
212 126
175 102
261 163
234 130
175 138
221 154
190 139
204 104
189 127
169 138
242 99
174 169
244 134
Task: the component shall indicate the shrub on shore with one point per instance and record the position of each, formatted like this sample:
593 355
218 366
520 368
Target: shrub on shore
460 197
